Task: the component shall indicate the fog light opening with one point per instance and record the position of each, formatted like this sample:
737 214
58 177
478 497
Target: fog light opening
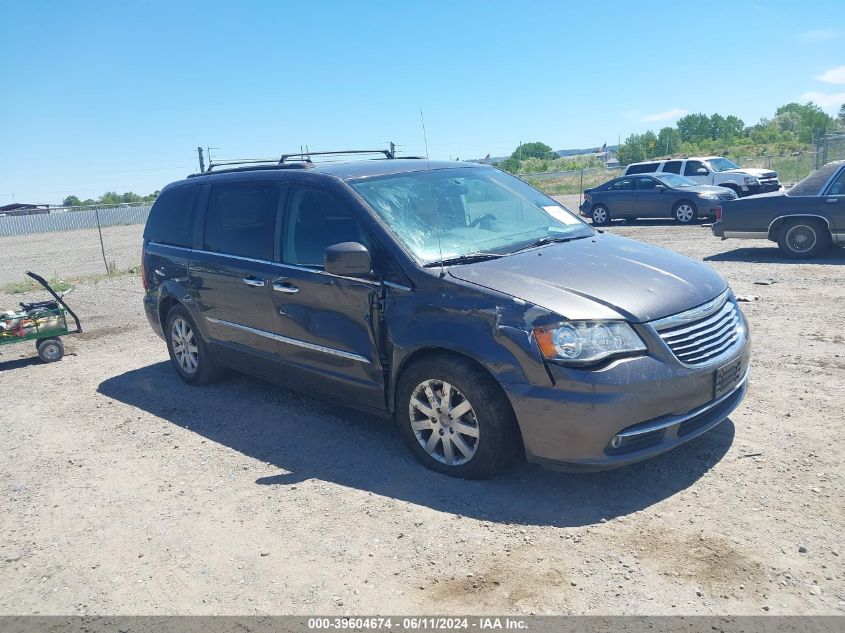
616 442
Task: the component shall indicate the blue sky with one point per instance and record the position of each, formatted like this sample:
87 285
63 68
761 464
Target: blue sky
101 96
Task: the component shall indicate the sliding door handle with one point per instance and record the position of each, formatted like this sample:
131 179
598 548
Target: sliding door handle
286 287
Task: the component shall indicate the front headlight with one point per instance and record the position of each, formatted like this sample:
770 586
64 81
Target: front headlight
751 181
587 342
708 196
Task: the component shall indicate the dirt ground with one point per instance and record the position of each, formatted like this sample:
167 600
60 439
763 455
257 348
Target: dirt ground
124 491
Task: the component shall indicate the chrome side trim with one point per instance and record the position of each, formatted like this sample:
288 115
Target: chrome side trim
679 419
695 314
747 235
396 286
238 257
290 341
838 238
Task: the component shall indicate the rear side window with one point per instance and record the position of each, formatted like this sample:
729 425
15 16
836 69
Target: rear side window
645 168
171 219
623 184
241 219
672 166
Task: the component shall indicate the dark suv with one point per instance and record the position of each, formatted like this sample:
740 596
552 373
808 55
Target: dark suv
482 315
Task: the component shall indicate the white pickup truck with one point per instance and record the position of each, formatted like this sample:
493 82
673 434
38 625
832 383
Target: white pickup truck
713 170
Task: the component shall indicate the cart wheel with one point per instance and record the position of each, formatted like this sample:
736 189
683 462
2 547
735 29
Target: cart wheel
50 349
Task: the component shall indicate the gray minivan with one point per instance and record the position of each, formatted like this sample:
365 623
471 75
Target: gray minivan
482 316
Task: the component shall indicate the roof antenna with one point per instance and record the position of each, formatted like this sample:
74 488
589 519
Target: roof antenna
433 200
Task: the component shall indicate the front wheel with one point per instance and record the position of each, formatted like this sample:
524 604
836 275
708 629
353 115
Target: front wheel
685 212
803 239
50 349
455 418
600 215
188 352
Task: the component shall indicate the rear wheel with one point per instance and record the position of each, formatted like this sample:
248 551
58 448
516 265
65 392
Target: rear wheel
803 238
600 215
455 418
50 349
188 352
685 212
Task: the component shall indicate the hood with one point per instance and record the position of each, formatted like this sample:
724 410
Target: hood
602 277
751 171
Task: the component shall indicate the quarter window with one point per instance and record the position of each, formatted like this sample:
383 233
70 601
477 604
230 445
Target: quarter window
672 166
645 168
241 219
171 219
314 221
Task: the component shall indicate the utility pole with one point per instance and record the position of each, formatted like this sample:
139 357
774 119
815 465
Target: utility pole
202 163
392 149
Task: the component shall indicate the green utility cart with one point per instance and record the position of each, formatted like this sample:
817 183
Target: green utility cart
43 322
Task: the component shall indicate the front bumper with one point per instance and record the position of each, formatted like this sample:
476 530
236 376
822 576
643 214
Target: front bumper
653 402
584 208
765 186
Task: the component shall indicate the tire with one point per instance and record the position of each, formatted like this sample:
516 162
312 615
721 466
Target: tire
50 349
685 212
483 437
803 238
188 352
600 215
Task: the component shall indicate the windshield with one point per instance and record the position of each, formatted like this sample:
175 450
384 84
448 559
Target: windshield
673 180
448 213
722 164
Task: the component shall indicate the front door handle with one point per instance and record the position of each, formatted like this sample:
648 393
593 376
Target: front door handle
832 200
286 287
255 283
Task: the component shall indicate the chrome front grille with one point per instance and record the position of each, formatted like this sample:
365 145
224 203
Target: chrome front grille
703 334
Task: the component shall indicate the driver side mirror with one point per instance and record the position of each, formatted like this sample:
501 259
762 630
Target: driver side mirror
348 259
660 188
703 171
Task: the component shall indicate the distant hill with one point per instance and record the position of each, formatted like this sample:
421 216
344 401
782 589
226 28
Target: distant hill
589 150
495 160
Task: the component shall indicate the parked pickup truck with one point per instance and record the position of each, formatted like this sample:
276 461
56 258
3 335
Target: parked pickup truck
804 221
712 170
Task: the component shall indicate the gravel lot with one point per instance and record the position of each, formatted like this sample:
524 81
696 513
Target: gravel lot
124 491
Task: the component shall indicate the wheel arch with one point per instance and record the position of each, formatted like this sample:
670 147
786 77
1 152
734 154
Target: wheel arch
777 224
423 353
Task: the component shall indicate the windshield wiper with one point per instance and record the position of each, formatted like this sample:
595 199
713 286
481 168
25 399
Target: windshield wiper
548 240
469 258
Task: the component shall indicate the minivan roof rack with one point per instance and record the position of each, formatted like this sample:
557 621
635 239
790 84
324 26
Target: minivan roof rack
307 155
303 161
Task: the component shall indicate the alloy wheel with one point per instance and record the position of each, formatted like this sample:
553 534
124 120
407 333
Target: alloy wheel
444 422
184 346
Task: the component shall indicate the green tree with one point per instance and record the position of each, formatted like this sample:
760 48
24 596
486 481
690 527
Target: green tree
841 117
694 128
669 141
632 150
533 150
813 119
71 201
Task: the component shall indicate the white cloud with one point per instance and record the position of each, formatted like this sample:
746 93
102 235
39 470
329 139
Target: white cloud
820 35
825 100
674 113
833 76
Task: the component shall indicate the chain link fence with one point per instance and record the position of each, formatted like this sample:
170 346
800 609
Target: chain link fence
71 243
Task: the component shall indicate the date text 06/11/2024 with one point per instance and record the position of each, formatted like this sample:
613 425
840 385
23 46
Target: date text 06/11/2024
419 623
